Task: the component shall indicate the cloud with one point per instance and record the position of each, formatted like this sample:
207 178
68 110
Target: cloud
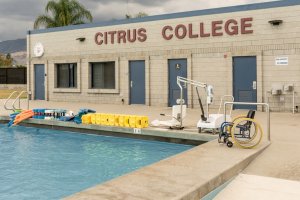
17 16
22 10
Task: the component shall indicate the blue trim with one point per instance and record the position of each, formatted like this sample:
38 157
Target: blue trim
256 6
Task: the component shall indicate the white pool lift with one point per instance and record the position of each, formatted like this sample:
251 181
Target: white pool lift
196 84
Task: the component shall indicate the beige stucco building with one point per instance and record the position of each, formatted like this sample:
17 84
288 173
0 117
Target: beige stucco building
251 52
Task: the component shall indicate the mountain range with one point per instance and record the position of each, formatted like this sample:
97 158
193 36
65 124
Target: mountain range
12 46
17 49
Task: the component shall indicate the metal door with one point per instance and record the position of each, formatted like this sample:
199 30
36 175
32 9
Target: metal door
245 81
177 67
39 83
137 82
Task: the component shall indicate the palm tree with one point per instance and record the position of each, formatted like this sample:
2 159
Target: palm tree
63 13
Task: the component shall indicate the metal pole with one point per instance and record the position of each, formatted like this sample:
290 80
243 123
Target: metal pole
27 100
293 100
181 95
269 123
19 103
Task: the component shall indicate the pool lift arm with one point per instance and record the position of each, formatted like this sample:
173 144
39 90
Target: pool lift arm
196 84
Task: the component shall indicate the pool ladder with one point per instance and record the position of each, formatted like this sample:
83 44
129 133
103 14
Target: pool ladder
17 99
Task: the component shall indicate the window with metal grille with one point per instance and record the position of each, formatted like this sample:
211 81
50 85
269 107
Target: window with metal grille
66 75
103 75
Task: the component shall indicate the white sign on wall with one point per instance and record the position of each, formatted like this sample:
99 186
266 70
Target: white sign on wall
281 61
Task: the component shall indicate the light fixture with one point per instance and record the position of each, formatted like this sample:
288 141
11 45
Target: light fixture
81 39
275 22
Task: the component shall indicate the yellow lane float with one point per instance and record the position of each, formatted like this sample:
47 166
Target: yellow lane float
105 119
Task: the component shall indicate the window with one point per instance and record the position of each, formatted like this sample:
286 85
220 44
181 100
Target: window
66 75
103 75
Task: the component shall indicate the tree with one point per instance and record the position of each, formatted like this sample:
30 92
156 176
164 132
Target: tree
141 14
63 13
6 61
8 56
138 15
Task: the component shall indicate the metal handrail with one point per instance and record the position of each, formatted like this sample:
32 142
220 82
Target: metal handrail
250 103
18 98
5 104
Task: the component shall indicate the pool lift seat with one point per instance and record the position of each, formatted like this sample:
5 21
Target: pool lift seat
175 122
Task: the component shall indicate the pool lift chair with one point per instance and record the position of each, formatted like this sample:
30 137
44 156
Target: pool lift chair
196 84
244 131
178 116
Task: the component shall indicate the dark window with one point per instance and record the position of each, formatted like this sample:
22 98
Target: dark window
66 75
103 75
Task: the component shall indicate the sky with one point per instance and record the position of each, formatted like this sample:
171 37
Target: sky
17 16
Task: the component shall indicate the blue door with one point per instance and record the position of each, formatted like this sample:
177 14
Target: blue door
39 82
244 81
137 82
177 67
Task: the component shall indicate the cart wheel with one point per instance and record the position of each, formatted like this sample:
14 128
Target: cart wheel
225 140
220 140
199 130
229 144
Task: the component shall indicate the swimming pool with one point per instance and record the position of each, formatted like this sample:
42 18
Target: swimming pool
50 164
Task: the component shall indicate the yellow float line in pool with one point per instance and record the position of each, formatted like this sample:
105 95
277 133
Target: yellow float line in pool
104 119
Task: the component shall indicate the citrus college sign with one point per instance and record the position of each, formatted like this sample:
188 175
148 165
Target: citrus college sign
180 31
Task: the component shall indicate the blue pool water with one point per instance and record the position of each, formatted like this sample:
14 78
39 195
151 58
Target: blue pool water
49 164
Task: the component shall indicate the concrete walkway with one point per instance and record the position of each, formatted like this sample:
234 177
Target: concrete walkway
282 158
249 187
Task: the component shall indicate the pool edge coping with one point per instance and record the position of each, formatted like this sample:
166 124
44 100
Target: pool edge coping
195 193
160 134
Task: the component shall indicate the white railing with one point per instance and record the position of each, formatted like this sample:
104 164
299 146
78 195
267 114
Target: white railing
17 99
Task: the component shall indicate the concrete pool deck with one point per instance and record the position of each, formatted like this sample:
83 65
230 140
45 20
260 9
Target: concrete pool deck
246 187
281 159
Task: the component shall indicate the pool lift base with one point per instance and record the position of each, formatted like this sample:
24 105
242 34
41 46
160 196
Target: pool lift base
214 121
178 114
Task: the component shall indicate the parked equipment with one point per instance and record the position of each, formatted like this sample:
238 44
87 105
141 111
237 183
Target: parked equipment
196 84
214 121
244 131
179 111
